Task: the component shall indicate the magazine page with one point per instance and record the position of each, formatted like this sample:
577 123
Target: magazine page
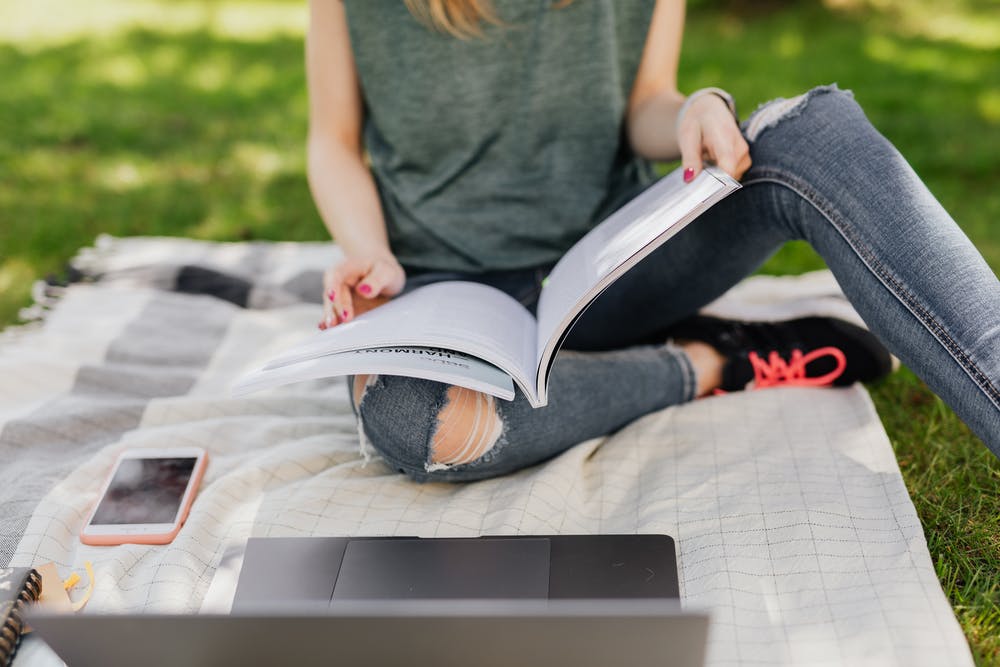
428 363
466 317
617 244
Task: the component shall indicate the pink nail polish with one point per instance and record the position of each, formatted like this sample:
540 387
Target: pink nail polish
331 295
688 174
365 289
343 314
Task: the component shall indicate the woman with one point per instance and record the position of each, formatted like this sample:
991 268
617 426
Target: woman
499 133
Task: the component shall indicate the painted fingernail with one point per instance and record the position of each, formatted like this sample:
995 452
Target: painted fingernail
331 295
688 174
365 289
343 314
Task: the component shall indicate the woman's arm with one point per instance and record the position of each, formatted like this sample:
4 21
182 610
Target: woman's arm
707 130
341 183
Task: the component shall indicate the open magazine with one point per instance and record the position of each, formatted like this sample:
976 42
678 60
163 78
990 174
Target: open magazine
472 335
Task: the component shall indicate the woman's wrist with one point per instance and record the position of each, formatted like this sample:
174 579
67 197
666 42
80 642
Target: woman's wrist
702 92
369 250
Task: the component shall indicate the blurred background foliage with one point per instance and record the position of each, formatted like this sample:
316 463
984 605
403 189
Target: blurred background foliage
188 118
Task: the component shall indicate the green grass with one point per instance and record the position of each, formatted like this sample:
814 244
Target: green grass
175 123
188 118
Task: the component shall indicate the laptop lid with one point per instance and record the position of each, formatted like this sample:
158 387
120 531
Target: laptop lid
445 633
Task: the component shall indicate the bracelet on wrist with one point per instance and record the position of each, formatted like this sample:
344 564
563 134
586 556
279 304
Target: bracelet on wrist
701 92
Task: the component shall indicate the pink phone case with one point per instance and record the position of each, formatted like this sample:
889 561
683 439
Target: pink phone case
151 538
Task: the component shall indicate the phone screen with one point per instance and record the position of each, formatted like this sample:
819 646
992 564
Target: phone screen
145 491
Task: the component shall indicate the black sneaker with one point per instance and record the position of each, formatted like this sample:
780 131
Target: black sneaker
811 351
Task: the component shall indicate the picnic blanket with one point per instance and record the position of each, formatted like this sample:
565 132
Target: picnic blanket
792 522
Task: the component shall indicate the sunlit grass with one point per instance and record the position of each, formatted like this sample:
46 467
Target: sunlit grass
46 23
988 103
937 60
171 118
973 23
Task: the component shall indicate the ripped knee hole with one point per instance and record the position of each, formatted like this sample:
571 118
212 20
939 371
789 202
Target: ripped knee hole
468 427
362 383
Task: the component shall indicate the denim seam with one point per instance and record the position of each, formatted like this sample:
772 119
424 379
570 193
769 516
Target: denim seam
689 379
895 287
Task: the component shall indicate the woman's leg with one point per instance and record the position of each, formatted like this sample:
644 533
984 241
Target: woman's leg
907 268
821 173
432 431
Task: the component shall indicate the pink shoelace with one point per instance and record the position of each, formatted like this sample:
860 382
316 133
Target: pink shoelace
775 371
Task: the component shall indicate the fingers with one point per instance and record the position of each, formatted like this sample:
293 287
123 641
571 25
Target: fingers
337 284
690 142
709 131
329 319
384 278
347 276
730 152
374 280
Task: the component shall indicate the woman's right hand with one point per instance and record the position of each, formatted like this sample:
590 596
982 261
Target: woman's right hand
374 279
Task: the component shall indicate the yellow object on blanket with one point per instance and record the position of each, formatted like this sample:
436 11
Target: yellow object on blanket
55 589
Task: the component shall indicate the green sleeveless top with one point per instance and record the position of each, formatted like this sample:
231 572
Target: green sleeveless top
499 152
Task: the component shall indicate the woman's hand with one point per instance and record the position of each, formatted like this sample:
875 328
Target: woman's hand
374 279
708 132
341 182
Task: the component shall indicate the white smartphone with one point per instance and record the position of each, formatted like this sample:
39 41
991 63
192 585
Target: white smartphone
147 496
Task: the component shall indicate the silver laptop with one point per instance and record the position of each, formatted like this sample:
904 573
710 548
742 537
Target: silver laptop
546 601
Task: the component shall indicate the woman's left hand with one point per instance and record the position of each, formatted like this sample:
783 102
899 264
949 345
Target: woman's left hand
708 132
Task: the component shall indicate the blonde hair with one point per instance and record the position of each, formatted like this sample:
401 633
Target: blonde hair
460 18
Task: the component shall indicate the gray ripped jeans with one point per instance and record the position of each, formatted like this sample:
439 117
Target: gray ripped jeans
821 173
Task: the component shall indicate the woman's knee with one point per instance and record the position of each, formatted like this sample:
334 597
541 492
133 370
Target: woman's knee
427 430
821 109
